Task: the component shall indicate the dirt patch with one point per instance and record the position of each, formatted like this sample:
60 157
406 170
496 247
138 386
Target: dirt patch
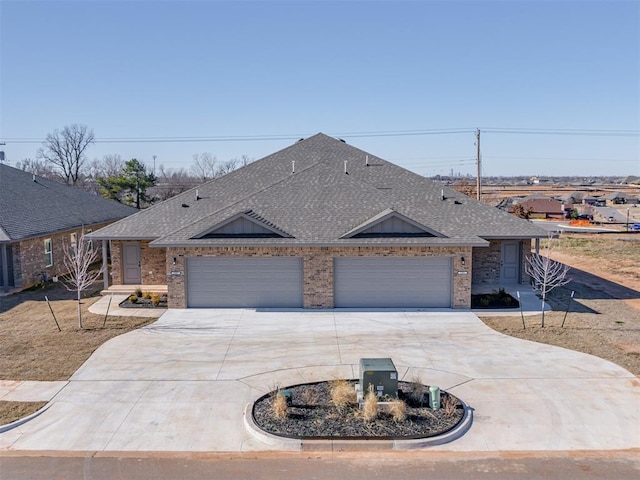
602 318
313 415
32 348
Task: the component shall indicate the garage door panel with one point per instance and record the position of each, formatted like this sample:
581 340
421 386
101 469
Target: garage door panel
392 282
244 282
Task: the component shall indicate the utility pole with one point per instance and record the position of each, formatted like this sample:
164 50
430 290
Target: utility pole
478 161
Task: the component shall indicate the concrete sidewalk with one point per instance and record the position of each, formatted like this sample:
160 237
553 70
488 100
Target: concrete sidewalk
182 383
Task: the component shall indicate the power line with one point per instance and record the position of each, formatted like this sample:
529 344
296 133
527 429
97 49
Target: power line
370 134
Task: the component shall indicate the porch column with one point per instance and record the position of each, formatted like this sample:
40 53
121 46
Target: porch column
5 269
105 270
537 246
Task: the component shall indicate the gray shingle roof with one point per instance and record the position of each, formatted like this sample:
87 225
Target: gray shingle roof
319 203
33 206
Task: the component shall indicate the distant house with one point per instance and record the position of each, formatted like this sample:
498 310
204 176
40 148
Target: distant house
580 198
37 217
541 206
320 224
620 198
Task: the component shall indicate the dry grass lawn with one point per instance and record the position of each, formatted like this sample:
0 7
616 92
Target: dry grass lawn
32 348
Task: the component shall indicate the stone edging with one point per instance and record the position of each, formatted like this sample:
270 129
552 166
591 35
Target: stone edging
301 445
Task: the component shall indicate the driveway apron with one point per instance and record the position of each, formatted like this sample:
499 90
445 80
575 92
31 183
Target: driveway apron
182 383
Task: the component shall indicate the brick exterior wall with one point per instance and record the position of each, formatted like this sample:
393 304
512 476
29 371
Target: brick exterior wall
153 265
487 262
318 268
29 258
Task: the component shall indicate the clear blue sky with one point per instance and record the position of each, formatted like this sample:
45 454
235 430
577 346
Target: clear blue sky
209 68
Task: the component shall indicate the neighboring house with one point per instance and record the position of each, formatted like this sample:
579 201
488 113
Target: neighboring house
37 217
619 198
577 197
541 206
320 224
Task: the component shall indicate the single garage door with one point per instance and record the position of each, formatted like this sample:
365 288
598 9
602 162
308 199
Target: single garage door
269 282
392 282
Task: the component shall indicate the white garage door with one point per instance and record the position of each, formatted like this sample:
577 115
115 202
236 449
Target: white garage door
392 282
269 282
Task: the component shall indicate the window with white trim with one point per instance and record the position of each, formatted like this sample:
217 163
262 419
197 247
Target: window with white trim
48 252
73 239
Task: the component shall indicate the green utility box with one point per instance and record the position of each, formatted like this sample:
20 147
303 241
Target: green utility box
381 373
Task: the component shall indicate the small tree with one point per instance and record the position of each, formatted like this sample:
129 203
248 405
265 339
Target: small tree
77 259
546 273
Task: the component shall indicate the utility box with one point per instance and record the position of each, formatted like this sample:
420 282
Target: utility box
381 373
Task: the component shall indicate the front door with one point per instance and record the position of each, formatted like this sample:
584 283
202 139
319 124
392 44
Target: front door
131 264
510 263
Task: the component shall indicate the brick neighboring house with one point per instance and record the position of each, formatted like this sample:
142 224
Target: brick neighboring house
37 217
320 224
541 206
619 198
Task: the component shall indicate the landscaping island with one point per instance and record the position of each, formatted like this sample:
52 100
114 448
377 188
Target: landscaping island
329 410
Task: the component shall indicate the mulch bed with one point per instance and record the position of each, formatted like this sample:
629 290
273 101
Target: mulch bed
311 415
144 303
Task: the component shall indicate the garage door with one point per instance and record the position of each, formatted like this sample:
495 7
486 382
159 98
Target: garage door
392 282
244 282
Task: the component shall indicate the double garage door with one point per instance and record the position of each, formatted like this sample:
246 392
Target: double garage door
359 282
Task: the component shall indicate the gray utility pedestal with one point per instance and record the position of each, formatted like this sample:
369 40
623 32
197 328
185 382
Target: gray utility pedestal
381 373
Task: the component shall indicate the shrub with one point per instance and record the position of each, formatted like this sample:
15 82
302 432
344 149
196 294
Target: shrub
342 393
155 299
138 292
370 408
449 405
398 410
147 296
133 299
418 390
280 407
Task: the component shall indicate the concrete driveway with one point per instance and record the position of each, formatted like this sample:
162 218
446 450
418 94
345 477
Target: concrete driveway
182 383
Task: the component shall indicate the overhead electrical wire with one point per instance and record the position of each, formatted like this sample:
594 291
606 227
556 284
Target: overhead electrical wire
371 134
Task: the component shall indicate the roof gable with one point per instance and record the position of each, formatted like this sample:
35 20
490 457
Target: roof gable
390 223
244 225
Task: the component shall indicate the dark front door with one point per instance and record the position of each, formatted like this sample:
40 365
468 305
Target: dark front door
6 266
131 263
510 263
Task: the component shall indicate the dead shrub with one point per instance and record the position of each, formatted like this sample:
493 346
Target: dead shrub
309 397
449 405
342 393
398 410
280 407
418 390
370 407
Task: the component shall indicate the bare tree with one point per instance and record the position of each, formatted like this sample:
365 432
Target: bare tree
65 150
172 182
37 167
111 165
546 273
204 166
77 259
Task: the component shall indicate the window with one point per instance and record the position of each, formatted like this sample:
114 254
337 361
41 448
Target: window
48 252
89 242
73 238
